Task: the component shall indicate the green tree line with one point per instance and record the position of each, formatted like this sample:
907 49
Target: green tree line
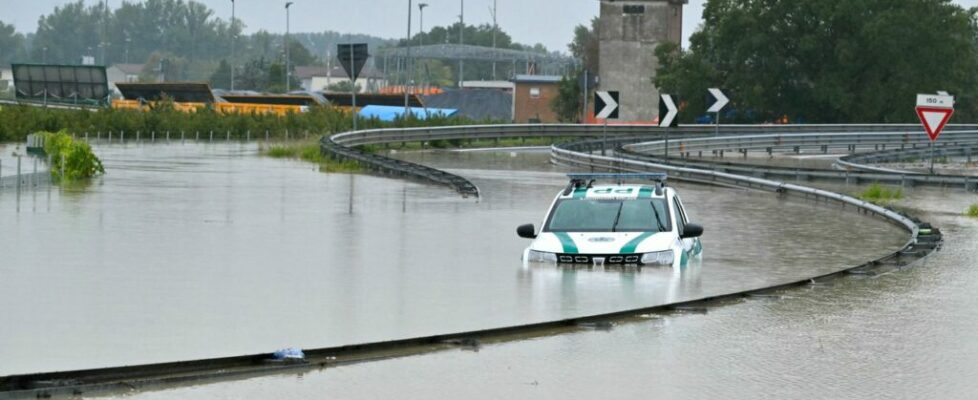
825 61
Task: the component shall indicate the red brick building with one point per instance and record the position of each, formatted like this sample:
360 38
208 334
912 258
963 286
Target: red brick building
532 95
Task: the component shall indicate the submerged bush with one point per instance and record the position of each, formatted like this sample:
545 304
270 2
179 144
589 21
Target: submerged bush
877 193
73 158
972 211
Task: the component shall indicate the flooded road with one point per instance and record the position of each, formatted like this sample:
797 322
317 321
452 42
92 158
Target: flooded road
905 334
191 251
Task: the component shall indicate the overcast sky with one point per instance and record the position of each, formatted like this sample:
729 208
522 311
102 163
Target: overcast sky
550 22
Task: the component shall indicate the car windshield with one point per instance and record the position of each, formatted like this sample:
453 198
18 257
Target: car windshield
588 215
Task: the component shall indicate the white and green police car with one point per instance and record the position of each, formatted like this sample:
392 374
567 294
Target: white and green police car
619 224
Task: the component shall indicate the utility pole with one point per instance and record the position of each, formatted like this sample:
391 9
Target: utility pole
495 28
234 37
407 61
421 7
288 73
461 41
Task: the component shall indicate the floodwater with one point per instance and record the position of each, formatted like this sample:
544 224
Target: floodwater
908 334
198 251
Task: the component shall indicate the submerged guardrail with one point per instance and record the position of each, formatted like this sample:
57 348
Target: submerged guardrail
923 240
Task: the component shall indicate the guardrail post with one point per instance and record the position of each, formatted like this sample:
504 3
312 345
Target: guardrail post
212 136
98 139
138 134
168 136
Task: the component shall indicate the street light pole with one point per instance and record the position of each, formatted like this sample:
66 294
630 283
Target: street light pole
421 7
461 41
234 37
288 73
495 28
407 61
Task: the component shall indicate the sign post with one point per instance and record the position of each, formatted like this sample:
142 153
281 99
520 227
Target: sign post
934 110
667 117
352 57
720 101
605 107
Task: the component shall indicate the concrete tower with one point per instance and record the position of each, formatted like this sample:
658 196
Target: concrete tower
629 31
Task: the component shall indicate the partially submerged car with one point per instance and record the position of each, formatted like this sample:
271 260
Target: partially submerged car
616 224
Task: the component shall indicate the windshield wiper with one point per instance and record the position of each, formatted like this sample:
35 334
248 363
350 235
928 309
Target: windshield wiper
658 220
614 226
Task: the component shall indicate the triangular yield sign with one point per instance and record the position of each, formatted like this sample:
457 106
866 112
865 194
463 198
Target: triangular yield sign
934 119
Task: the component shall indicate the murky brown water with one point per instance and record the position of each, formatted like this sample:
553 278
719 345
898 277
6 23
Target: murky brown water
186 252
906 334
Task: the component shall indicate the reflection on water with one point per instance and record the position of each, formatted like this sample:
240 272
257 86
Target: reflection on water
905 334
186 252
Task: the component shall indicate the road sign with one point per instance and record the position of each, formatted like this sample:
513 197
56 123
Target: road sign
934 110
667 112
606 104
352 57
721 100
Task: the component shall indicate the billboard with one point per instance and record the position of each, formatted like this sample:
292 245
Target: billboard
65 84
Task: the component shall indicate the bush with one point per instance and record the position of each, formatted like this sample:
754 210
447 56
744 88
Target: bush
877 193
972 211
72 157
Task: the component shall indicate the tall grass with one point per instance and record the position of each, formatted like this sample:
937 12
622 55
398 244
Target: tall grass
972 211
310 152
877 193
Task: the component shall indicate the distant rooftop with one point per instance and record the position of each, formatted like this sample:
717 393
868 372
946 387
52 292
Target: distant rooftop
130 69
309 71
537 79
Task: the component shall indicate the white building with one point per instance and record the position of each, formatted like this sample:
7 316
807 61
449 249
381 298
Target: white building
314 78
6 78
124 73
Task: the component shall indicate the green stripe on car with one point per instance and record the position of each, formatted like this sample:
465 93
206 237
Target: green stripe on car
567 242
630 247
645 193
580 192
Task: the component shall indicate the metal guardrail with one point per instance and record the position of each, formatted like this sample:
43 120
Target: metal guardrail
964 142
342 145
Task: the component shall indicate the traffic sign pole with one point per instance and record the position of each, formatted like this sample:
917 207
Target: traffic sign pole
721 101
934 112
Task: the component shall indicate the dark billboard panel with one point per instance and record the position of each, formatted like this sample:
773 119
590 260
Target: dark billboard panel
66 84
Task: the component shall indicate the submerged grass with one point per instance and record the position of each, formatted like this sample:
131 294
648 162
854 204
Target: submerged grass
880 194
310 152
972 211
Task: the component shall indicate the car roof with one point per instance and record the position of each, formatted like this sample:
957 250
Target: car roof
614 192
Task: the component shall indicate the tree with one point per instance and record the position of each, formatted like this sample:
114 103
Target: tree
342 87
828 60
11 44
567 104
222 76
584 47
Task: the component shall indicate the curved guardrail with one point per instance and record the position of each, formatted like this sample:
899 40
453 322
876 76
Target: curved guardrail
922 242
957 143
344 145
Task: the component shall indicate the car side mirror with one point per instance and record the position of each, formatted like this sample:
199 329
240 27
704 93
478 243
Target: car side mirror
526 231
692 231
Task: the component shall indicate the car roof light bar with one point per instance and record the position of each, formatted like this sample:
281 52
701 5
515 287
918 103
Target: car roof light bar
658 177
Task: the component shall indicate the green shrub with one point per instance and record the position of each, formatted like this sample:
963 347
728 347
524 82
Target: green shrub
310 151
73 158
877 193
972 211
